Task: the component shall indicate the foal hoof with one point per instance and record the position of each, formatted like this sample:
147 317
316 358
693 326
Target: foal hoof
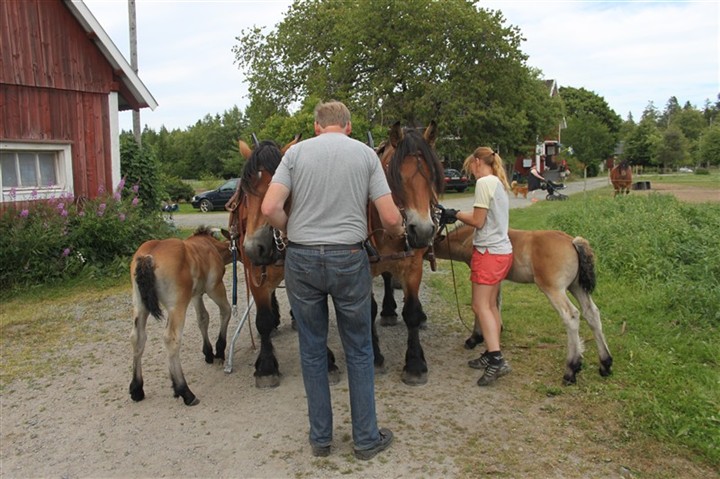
388 320
267 382
414 379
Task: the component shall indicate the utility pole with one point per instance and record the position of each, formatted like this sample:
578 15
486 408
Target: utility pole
134 64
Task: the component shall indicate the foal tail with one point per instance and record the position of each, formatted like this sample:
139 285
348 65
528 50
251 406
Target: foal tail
145 280
586 260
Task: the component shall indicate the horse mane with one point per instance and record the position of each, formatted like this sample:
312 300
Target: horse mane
265 156
203 230
413 144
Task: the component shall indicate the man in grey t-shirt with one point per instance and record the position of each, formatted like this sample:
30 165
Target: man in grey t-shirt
331 179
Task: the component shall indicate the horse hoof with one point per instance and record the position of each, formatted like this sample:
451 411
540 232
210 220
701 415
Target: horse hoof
334 377
267 382
569 380
414 379
388 320
423 325
193 402
380 369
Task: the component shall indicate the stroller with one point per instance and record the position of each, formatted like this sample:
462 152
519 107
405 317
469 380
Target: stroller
551 188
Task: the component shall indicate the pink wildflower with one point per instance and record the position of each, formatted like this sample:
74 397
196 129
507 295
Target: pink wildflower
101 209
24 213
135 201
66 252
121 216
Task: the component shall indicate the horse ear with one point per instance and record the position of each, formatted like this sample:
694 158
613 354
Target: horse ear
430 134
292 142
225 233
396 134
245 150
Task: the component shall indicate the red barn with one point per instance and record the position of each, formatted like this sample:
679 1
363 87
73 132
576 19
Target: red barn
62 84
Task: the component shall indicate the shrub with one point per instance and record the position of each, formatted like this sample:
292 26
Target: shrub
178 190
62 237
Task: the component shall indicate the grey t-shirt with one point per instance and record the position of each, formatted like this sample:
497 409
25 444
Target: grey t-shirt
331 177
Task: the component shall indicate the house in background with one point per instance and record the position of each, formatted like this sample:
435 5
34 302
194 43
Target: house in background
62 85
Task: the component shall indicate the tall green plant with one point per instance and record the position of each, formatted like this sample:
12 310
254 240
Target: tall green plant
60 238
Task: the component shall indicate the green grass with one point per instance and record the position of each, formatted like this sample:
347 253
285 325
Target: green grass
658 267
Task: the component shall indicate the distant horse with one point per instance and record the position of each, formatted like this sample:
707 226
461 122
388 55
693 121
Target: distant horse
556 263
416 179
261 249
173 273
621 178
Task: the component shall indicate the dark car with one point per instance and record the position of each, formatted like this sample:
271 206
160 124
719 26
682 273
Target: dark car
215 199
454 180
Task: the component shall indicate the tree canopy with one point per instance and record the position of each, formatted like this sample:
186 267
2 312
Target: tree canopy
412 61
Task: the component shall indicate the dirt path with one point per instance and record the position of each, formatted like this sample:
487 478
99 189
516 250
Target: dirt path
76 418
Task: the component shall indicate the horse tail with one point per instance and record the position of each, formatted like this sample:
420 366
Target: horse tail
145 280
586 263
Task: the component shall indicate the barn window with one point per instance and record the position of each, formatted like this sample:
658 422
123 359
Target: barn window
31 171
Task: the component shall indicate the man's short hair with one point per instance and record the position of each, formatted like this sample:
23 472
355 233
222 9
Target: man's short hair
332 113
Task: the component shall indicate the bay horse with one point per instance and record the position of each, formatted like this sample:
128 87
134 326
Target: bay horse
173 273
556 263
621 178
416 178
262 253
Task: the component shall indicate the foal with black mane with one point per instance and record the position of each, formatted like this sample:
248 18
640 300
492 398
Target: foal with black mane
173 273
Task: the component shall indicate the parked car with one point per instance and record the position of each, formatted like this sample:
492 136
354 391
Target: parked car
685 169
455 180
215 199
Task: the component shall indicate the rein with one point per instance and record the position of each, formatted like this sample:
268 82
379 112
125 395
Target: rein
442 227
236 236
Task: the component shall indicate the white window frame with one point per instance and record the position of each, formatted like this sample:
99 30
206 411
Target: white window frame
63 168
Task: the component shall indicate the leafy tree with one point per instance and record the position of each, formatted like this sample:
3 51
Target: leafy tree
673 150
581 102
642 145
591 140
139 167
408 61
709 150
671 109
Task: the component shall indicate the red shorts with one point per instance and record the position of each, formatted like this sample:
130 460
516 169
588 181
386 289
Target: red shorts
488 268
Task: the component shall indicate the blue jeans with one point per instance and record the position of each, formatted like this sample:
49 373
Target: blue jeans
310 276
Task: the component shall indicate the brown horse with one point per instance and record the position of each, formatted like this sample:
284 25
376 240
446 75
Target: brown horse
556 263
261 250
173 273
416 178
621 178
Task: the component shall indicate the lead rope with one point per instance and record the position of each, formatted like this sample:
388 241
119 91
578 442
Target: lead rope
455 289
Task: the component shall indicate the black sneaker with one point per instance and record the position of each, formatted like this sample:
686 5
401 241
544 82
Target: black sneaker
386 438
494 371
480 362
320 451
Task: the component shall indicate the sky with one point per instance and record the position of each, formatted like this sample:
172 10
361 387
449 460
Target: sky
630 53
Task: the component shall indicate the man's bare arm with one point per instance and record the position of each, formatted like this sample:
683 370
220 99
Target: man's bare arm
273 206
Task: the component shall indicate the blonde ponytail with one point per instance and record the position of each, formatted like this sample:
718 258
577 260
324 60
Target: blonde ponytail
489 157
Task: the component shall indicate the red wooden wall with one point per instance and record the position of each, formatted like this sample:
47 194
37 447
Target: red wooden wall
54 86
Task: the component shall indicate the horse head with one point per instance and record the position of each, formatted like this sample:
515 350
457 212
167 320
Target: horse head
415 176
259 238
